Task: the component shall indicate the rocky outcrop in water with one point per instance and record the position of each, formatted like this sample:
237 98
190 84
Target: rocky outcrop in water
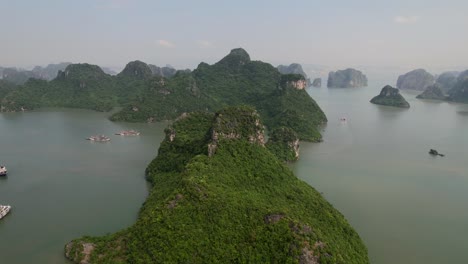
418 79
433 92
391 97
348 78
317 82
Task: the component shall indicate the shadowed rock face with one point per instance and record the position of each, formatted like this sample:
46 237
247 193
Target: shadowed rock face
418 79
447 80
391 97
433 92
348 78
459 93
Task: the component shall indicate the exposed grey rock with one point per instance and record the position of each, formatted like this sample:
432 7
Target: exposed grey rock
294 68
317 82
391 97
348 78
418 79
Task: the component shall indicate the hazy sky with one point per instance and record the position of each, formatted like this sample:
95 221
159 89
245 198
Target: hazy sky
410 33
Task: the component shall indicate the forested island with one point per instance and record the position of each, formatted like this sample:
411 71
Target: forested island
390 96
219 195
146 96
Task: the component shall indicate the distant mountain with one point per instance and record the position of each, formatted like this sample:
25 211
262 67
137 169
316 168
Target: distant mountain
50 71
348 78
109 71
418 79
220 196
166 72
20 76
317 82
17 76
459 92
235 80
447 80
390 96
294 68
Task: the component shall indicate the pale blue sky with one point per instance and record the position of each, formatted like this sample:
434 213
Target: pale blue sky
411 33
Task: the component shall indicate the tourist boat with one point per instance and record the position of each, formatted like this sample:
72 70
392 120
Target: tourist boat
4 210
100 138
128 133
3 171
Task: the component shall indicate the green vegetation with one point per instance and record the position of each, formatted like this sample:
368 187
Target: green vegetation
5 88
390 96
241 205
284 144
234 80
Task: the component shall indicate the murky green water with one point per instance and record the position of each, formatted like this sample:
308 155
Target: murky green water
62 186
408 206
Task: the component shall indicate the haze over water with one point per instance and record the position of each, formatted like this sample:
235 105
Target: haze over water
408 206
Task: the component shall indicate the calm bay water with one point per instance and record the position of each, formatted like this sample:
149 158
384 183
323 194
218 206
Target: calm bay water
408 206
62 186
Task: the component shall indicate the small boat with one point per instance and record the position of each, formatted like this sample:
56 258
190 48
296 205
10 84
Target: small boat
100 138
435 153
3 171
128 133
4 210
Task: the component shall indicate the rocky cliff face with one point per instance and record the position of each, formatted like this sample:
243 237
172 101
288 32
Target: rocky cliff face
317 82
391 97
284 143
295 81
294 68
348 78
433 92
418 79
236 123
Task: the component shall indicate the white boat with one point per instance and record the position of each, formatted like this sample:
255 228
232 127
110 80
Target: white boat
3 171
128 133
4 210
100 138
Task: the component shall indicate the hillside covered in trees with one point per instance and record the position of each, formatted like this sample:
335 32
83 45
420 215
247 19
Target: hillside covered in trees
220 196
146 96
